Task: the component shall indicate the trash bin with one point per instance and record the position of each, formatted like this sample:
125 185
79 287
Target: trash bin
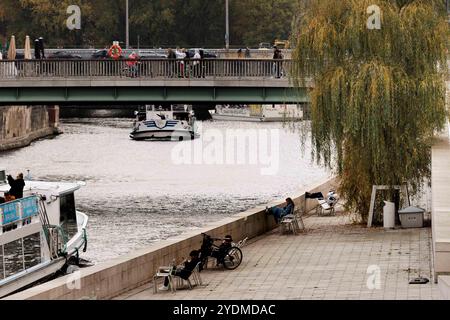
411 217
389 215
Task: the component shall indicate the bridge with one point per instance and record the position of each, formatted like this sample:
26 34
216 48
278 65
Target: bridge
214 81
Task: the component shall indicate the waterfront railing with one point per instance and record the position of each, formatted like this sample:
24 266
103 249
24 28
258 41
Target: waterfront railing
157 69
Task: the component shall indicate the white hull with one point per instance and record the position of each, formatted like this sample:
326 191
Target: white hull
30 276
174 124
257 113
162 134
222 117
48 268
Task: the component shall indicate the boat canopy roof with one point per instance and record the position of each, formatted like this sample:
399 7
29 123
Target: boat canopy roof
59 188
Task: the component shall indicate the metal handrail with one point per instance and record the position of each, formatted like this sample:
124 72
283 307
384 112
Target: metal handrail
144 69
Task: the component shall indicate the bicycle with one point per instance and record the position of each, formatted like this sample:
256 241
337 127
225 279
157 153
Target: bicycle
230 258
131 71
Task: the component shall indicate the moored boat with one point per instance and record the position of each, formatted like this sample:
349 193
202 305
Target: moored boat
39 233
259 113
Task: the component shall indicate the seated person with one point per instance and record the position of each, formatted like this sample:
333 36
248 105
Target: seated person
220 253
279 213
185 271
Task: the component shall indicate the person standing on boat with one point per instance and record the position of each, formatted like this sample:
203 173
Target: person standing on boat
17 186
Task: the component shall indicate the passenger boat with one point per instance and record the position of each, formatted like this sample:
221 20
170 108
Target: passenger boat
259 113
38 233
174 122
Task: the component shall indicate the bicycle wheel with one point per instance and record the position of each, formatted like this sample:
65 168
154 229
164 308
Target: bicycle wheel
233 258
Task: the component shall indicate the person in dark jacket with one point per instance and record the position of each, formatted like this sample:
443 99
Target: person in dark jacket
37 50
279 213
17 186
185 271
220 253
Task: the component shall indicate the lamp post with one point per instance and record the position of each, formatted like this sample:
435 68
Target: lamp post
127 27
227 26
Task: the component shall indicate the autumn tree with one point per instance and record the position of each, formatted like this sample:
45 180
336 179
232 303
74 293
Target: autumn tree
195 23
379 90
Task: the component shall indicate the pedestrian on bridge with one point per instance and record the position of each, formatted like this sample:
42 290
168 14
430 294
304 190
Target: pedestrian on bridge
172 57
132 64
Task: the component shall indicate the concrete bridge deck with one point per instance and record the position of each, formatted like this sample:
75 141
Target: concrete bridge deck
329 261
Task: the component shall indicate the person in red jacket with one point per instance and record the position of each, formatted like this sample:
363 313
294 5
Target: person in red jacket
132 64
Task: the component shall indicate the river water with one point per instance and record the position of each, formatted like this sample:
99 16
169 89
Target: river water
138 193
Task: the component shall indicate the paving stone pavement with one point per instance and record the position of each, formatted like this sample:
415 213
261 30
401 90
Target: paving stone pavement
329 261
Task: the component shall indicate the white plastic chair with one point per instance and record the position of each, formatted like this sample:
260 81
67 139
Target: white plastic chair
292 222
163 272
325 207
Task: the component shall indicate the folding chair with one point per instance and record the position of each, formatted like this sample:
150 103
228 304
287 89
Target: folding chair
325 207
293 222
196 275
180 282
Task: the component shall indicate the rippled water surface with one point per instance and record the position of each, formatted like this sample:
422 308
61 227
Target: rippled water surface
135 194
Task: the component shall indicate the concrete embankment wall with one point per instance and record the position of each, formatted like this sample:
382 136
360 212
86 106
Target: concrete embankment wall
20 125
107 280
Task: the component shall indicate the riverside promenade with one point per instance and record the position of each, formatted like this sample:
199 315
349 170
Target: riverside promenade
329 261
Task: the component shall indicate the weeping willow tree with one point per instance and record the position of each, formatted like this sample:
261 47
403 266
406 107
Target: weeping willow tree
379 91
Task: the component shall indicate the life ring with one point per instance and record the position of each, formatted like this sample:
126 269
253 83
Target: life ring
115 51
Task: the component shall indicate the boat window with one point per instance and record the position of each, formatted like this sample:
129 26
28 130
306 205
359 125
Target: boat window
68 215
32 250
13 257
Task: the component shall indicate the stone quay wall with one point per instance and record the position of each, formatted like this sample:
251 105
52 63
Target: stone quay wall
21 125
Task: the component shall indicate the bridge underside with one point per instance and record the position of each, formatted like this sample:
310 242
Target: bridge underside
139 94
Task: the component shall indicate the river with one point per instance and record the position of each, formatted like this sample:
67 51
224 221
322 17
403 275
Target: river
138 193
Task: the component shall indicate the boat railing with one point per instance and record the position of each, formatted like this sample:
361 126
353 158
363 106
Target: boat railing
58 241
18 212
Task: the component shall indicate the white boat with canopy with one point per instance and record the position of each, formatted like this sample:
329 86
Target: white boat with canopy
38 233
173 122
259 113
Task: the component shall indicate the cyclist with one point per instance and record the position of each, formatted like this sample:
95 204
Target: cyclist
220 253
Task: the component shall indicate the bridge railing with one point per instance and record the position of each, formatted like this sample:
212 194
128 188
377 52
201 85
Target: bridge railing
144 69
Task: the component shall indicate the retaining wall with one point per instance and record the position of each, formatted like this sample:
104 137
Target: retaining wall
107 280
20 125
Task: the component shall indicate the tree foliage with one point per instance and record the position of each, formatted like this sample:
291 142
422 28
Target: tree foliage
379 95
156 22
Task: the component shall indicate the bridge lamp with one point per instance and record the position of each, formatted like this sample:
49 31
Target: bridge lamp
227 26
127 27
